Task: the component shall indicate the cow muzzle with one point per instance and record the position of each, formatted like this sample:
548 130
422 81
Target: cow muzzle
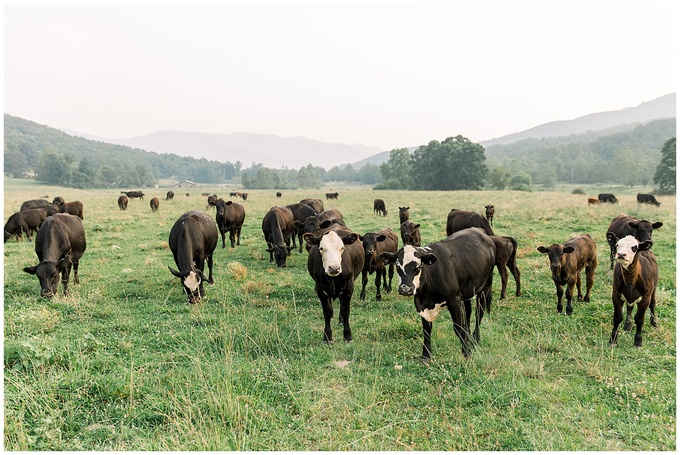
333 270
47 293
405 289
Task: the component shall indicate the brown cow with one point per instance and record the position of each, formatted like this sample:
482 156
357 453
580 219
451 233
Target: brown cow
490 210
300 213
212 201
379 207
122 202
506 254
636 277
316 204
624 225
229 217
566 263
169 195
25 221
593 201
375 243
72 208
403 214
410 233
154 203
134 194
457 220
332 195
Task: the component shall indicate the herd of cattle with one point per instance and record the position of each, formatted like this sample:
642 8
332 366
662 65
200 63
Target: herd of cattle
445 274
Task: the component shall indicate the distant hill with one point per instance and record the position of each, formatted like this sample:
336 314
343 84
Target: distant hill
271 151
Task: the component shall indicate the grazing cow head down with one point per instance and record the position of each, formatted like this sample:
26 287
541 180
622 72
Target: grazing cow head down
191 282
555 253
331 246
48 276
281 253
627 248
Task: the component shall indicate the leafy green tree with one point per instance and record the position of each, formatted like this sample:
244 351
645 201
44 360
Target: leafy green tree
499 178
455 164
398 169
55 169
665 171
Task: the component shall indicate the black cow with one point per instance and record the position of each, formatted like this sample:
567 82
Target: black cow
122 202
607 197
567 260
379 207
332 195
230 217
375 243
335 261
49 208
506 255
490 210
448 273
316 204
278 228
300 213
25 221
458 220
192 240
169 195
212 201
313 224
624 225
134 194
647 199
33 203
403 214
278 194
636 277
410 233
234 194
154 203
60 244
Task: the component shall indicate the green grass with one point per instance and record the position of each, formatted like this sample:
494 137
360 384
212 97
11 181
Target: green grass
123 363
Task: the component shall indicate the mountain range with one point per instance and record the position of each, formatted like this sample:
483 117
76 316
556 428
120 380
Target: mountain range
278 152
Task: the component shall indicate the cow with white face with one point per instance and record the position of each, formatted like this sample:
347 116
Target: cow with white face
448 273
193 239
334 262
636 277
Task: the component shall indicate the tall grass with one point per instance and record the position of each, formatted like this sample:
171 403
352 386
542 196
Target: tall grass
123 363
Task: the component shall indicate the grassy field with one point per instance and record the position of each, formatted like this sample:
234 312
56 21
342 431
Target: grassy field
124 363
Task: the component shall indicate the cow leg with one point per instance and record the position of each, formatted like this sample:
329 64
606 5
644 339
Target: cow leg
238 236
210 269
345 299
560 293
570 295
378 279
65 272
612 253
653 319
76 280
628 325
232 237
459 320
639 320
364 282
223 242
427 340
512 265
390 274
327 307
504 279
578 286
590 280
618 317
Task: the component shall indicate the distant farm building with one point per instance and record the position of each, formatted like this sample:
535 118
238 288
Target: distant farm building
183 184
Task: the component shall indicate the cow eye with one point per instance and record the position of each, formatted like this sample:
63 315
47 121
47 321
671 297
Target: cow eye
635 248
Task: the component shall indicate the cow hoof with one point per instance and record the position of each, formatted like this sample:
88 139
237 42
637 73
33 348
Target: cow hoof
378 298
654 321
348 340
627 327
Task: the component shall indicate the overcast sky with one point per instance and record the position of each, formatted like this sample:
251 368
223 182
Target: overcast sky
382 75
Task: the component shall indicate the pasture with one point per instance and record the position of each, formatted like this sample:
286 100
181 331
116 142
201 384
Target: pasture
124 363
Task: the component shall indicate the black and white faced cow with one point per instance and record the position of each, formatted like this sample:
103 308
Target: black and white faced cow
193 239
335 260
448 273
60 244
624 225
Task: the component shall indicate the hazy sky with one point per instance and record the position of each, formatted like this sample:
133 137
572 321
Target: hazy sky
383 75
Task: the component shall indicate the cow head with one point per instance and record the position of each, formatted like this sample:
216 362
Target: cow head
192 283
643 229
627 248
58 201
410 261
48 275
369 240
555 254
331 246
281 253
410 231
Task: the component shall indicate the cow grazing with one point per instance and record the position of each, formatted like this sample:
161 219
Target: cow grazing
300 213
458 220
335 260
379 207
506 255
410 233
154 203
122 202
567 261
490 210
192 240
636 277
316 204
647 199
60 244
593 201
212 201
448 273
375 243
332 195
72 208
278 194
169 195
24 222
230 217
134 194
234 194
244 196
607 197
33 203
403 214
278 227
624 225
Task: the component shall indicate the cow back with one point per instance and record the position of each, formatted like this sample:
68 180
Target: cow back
34 203
194 234
316 204
458 220
59 234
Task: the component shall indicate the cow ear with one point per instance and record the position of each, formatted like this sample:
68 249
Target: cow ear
542 249
388 258
568 249
657 225
325 223
299 224
203 277
175 272
632 225
350 238
428 258
417 225
381 238
31 270
361 238
646 245
612 239
310 239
